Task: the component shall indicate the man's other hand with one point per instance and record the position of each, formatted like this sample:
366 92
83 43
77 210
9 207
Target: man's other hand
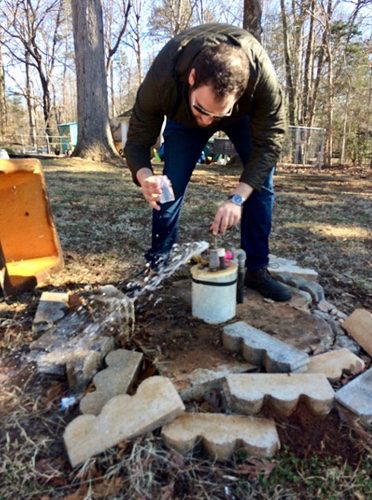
227 215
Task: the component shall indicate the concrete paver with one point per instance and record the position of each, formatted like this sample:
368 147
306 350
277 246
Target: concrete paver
122 368
279 266
246 393
359 326
82 365
155 404
79 342
196 384
222 434
357 396
79 362
333 363
51 308
259 348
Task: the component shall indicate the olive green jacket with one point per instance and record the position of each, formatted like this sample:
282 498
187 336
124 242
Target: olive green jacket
165 90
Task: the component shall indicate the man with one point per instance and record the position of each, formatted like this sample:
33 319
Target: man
208 78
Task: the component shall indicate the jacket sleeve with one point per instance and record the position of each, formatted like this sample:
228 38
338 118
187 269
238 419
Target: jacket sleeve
267 126
144 126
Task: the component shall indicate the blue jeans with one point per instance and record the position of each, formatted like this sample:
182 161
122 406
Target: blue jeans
182 148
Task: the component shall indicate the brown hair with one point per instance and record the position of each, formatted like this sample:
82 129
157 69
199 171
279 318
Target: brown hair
224 67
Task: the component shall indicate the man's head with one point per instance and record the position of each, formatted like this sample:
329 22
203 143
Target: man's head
218 78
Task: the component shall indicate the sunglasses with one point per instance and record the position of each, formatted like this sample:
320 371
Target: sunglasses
204 112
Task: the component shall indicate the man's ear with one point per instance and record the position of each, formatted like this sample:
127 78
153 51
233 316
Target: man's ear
191 78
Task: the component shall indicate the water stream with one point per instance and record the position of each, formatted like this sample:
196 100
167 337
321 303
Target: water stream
108 312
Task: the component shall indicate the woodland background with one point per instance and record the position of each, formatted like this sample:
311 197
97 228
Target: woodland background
63 61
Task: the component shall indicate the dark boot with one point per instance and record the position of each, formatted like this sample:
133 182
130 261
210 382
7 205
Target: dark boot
263 282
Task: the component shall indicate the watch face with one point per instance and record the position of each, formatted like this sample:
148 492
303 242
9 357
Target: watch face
237 199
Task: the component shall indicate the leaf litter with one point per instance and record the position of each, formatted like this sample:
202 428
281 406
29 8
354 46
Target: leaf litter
104 244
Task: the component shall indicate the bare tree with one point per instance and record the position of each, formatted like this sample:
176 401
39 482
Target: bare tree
135 36
30 102
3 106
115 16
309 65
64 86
252 14
171 17
35 29
94 134
291 89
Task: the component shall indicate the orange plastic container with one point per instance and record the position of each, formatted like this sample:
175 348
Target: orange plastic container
29 243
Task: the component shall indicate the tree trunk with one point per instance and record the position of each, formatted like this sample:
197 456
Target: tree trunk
30 103
344 126
3 107
138 52
135 36
94 135
308 70
329 150
112 93
300 12
252 18
319 68
288 68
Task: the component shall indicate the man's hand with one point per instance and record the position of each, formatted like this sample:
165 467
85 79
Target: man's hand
227 215
150 185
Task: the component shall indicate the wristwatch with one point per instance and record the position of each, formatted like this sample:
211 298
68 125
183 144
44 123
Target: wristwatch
236 199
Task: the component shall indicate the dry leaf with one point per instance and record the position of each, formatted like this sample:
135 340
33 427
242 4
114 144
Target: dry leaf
90 472
108 489
255 467
79 494
123 445
176 458
50 470
55 391
167 492
75 301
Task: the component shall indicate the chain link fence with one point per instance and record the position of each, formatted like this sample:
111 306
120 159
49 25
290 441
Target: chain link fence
43 144
302 146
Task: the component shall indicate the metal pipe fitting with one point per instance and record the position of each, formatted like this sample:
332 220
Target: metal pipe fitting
239 255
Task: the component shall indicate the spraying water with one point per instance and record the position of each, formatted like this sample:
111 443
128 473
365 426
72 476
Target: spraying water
121 308
78 342
180 255
109 312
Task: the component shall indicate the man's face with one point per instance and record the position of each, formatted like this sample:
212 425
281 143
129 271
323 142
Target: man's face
204 105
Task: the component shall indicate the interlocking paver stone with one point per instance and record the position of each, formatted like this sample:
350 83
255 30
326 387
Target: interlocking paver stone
83 365
359 326
79 362
80 335
155 404
194 385
51 308
123 366
279 266
259 348
357 396
246 393
333 363
222 434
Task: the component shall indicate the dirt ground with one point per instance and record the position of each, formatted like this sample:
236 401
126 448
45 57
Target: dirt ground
322 219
